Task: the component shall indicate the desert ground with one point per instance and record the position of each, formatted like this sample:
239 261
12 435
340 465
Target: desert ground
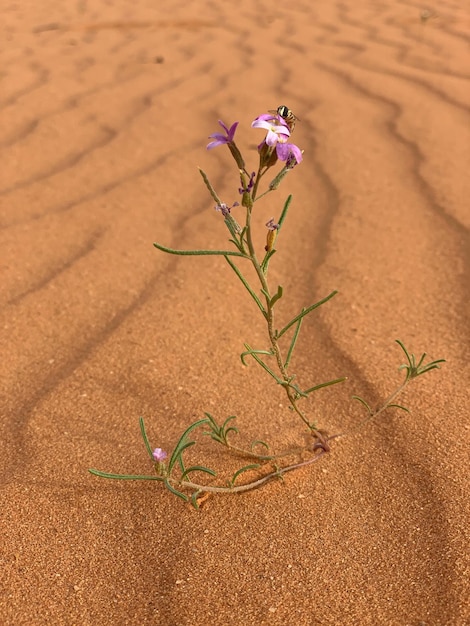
105 112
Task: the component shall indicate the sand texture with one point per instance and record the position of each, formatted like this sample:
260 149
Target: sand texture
105 110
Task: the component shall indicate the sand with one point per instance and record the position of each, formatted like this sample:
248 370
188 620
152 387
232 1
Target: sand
105 112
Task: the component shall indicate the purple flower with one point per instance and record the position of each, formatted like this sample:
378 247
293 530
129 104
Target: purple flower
288 152
272 224
159 455
277 128
220 138
224 208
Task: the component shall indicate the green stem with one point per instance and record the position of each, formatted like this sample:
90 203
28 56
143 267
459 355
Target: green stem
185 484
270 322
392 396
262 457
253 485
381 409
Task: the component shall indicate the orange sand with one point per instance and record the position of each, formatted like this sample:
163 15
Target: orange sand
105 111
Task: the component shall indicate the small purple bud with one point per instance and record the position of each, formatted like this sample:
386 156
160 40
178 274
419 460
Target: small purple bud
249 186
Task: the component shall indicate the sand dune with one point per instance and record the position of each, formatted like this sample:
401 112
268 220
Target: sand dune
105 111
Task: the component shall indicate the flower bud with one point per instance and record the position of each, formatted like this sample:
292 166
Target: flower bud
236 155
271 234
270 239
233 226
267 155
274 184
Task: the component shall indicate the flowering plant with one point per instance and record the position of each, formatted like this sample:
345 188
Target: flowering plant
172 469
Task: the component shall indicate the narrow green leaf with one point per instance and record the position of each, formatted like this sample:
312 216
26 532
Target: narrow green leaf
180 458
277 296
200 252
434 364
176 456
145 438
242 357
284 210
243 469
254 354
305 312
194 498
220 433
265 262
215 429
232 429
259 442
251 351
247 286
209 186
228 420
236 244
423 356
175 491
274 184
96 472
398 406
293 342
234 229
242 237
431 366
327 384
197 468
400 343
182 440
364 403
216 438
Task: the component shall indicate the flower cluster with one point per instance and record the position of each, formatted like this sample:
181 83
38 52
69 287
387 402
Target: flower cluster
275 146
277 137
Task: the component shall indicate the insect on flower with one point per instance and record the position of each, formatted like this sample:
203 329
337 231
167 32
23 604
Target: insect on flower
286 115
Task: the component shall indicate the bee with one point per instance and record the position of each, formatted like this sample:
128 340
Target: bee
286 115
